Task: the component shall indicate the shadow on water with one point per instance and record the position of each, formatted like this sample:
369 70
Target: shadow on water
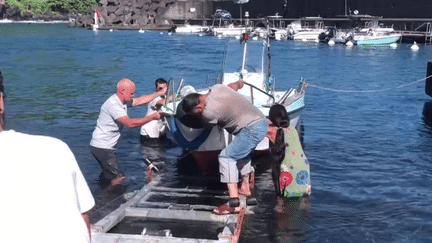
290 216
427 116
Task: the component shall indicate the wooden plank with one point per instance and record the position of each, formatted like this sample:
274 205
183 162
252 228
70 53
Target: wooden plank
121 238
190 190
108 222
174 205
165 214
184 194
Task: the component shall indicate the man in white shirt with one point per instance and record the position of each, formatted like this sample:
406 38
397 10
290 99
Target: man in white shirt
44 195
155 128
112 118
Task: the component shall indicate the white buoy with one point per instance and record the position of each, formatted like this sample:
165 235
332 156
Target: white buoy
169 33
304 40
200 34
393 45
415 47
237 37
161 33
111 30
349 43
141 31
331 42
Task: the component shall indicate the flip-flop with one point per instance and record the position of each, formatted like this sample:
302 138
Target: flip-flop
226 209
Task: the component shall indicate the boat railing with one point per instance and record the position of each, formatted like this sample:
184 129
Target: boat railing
252 87
319 25
428 32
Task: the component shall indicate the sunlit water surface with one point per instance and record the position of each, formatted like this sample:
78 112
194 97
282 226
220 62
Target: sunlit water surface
370 151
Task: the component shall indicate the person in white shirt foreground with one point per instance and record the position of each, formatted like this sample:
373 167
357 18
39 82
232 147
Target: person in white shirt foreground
44 195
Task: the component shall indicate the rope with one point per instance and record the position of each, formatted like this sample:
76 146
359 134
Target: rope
369 91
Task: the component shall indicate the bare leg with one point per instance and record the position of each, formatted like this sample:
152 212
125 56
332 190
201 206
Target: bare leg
233 190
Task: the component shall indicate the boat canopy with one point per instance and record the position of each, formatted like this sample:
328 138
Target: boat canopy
249 61
253 60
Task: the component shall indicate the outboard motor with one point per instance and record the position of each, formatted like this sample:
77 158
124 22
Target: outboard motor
327 35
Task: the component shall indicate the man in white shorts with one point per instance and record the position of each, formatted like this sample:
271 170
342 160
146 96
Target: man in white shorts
44 195
112 118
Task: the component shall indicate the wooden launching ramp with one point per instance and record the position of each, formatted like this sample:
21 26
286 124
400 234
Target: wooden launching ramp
164 214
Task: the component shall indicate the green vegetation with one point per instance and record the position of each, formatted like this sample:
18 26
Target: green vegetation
49 6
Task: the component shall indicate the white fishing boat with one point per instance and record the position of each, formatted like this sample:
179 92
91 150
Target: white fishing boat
277 27
230 30
301 30
189 29
246 60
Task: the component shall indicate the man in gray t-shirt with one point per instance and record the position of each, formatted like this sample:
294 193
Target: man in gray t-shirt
112 118
223 106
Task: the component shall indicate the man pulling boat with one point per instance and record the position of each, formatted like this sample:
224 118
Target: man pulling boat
223 106
112 118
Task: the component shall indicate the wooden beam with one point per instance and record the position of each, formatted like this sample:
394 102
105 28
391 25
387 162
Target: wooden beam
108 222
121 238
156 213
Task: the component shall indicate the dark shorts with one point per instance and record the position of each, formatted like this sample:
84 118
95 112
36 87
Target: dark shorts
107 159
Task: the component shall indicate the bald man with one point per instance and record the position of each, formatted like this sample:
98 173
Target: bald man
112 118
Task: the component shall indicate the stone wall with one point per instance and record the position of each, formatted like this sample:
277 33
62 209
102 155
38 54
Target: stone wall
129 13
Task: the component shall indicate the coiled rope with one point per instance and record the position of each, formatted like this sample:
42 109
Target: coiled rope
368 91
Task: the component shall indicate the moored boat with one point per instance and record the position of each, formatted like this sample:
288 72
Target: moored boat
301 31
376 38
188 29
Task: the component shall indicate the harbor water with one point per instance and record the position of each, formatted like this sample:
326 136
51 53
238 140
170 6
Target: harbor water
367 125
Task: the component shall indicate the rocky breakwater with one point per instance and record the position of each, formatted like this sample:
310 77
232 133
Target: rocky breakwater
145 14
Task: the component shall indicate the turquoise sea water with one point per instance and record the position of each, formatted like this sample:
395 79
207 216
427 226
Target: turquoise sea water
370 152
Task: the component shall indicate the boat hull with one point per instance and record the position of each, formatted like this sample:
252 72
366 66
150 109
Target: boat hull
377 40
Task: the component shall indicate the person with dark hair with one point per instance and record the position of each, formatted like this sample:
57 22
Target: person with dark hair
225 107
155 128
112 118
290 167
45 197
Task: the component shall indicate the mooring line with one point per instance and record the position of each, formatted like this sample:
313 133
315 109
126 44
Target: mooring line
368 91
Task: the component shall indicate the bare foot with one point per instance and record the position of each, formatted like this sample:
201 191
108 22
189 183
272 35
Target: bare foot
244 191
226 209
117 181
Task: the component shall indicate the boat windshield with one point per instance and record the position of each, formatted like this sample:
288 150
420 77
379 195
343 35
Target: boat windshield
255 61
